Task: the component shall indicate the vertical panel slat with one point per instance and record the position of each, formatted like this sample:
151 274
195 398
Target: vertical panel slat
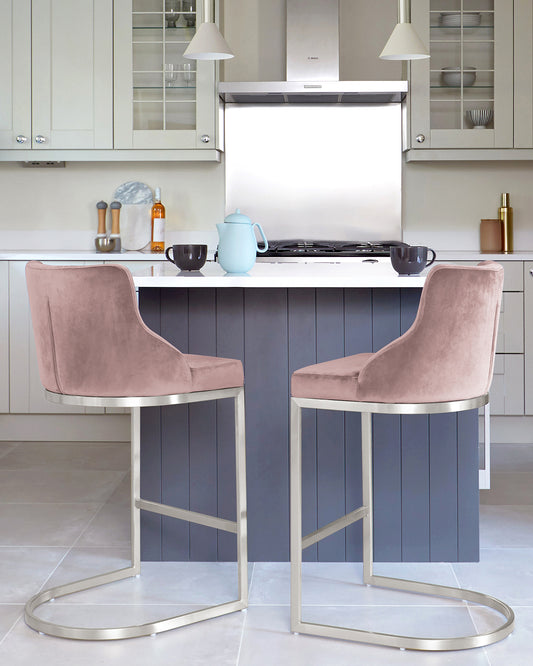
414 462
202 429
443 487
468 486
230 344
387 445
357 339
266 369
415 488
302 352
150 304
175 429
330 426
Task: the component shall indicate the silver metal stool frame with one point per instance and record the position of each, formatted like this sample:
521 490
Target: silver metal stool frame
238 527
365 512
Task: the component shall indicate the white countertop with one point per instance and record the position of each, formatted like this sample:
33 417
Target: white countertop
355 273
85 255
78 255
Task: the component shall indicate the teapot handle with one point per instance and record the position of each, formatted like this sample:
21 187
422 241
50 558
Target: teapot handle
256 224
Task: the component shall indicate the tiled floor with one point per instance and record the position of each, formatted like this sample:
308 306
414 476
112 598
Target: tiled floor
64 515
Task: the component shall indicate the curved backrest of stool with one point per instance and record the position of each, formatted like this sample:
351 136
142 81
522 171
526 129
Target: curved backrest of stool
90 337
448 353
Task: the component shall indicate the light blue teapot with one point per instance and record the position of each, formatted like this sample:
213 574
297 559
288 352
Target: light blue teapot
237 246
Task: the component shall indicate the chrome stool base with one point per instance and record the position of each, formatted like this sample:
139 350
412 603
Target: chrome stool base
365 513
238 527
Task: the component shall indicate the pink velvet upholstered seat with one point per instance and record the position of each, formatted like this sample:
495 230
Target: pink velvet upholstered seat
446 355
91 340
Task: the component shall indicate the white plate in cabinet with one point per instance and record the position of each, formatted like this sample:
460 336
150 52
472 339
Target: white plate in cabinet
506 392
26 391
511 328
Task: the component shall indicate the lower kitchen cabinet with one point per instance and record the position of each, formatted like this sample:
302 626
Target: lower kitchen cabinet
528 327
4 337
26 393
507 390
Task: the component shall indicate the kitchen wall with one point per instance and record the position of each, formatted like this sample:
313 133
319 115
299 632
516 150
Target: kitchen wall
442 202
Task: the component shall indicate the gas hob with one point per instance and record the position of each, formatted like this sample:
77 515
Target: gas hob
332 250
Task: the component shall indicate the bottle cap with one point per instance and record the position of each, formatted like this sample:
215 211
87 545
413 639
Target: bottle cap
505 198
158 194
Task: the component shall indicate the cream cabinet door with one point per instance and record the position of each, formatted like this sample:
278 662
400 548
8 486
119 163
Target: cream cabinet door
26 390
528 340
15 74
162 100
72 70
4 337
507 389
476 41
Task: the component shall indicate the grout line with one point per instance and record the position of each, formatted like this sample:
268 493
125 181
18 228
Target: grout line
19 617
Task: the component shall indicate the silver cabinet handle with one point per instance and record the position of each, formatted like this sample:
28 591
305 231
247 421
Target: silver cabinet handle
40 138
205 138
420 138
21 138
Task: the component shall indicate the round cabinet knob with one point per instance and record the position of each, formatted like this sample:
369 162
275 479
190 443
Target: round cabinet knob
21 138
205 138
420 138
40 138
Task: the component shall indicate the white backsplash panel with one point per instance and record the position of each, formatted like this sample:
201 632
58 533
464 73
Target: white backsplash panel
316 171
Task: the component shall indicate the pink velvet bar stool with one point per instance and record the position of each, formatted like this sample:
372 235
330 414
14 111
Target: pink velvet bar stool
443 363
94 350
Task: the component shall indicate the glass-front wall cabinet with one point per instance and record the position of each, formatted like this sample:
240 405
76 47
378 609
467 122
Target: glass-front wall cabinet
162 99
462 96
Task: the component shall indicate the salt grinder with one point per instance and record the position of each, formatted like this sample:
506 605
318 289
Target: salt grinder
115 224
102 242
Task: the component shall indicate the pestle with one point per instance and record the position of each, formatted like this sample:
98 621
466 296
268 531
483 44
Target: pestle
115 224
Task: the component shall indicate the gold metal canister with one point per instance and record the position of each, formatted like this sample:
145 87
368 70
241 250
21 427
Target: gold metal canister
505 213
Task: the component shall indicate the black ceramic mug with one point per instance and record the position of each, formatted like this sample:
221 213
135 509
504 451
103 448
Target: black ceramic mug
410 259
187 257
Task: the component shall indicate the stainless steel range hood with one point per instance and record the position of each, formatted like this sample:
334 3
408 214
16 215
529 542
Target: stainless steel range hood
313 66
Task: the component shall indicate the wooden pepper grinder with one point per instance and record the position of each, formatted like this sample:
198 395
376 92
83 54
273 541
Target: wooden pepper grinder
115 224
102 208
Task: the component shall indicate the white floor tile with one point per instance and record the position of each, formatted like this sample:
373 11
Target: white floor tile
5 448
267 640
509 488
506 526
341 583
515 650
505 573
86 562
68 455
211 643
50 485
24 570
44 524
161 583
110 528
8 615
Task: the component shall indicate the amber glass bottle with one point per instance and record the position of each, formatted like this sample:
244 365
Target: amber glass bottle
158 224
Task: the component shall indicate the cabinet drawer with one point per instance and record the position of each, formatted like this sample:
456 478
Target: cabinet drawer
511 328
506 392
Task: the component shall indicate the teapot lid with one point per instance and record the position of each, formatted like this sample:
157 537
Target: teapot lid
237 218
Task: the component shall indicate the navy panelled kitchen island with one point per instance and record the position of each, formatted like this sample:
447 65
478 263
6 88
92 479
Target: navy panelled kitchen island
277 319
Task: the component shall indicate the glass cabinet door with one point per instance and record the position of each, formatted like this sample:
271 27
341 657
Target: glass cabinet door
162 100
462 97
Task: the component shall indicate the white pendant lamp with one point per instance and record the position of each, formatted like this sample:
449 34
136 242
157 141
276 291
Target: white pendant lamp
404 43
208 43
